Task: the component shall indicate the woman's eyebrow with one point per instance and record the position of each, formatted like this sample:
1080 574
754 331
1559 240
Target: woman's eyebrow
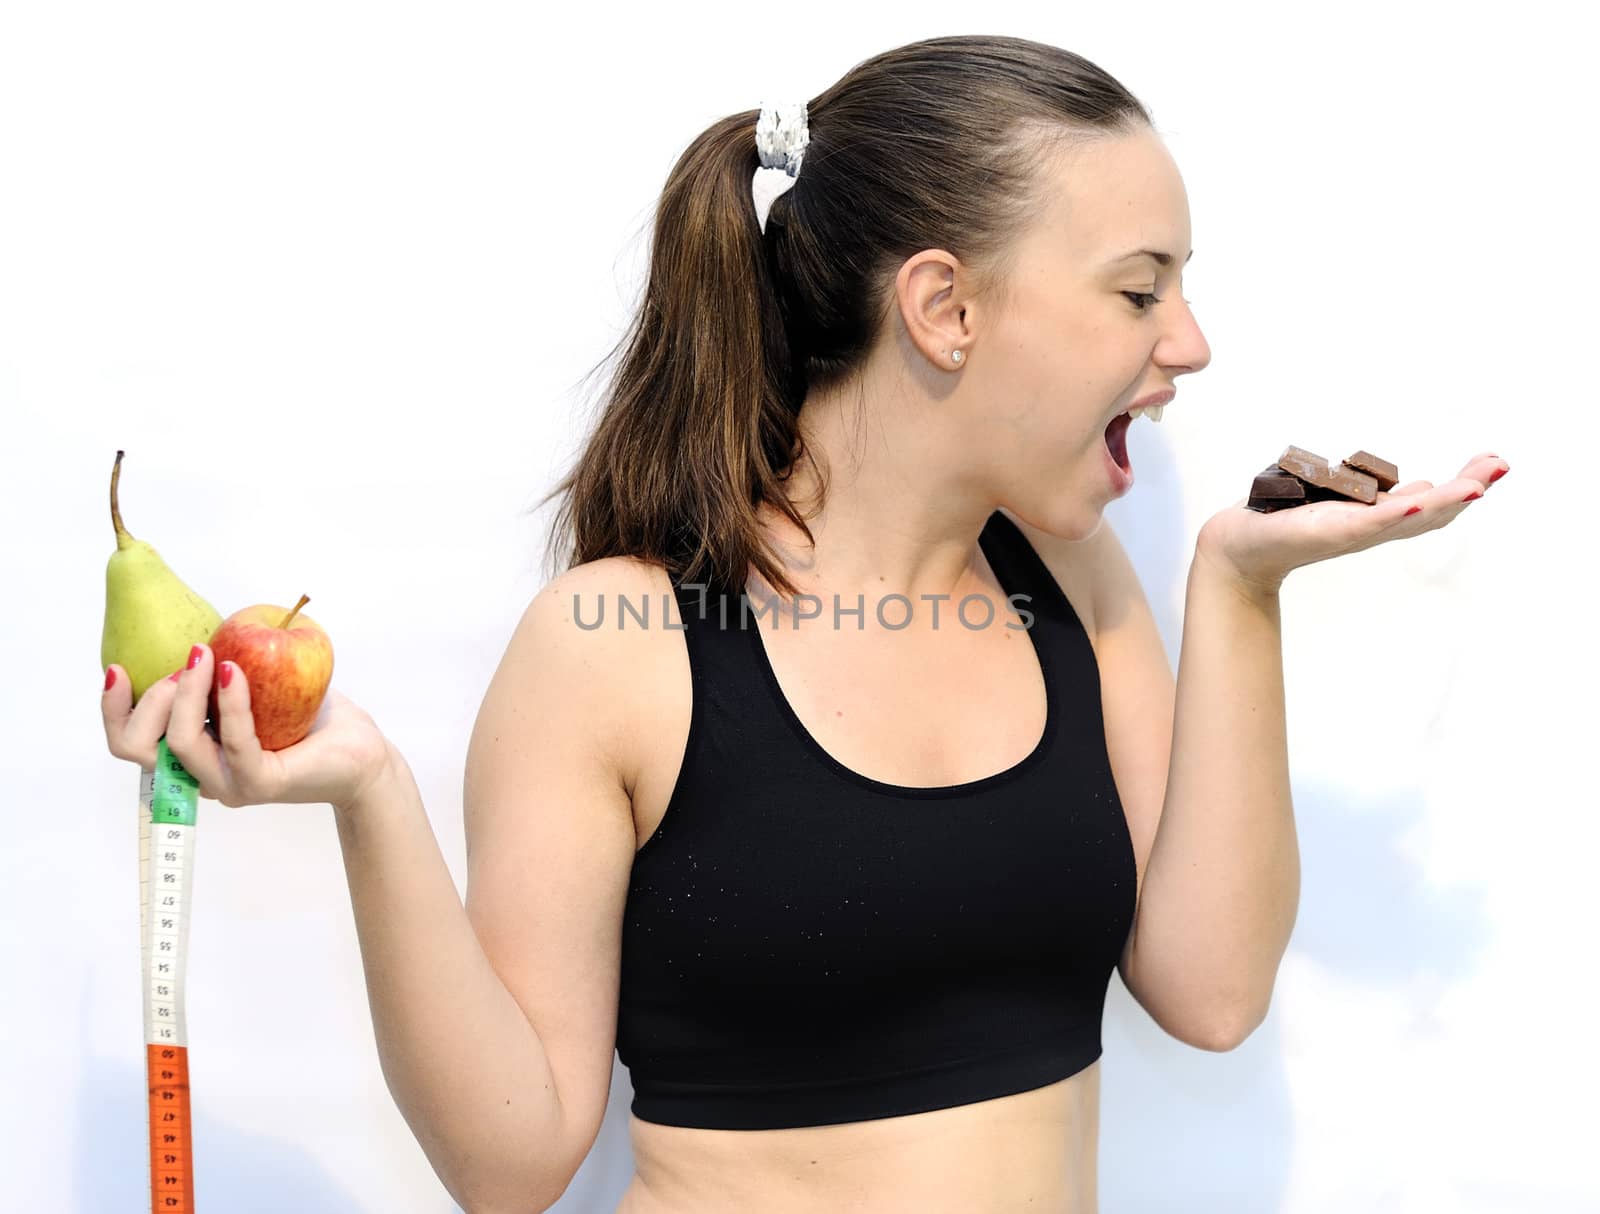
1164 259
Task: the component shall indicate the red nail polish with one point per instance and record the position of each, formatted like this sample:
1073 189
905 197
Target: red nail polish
225 674
195 654
1411 511
1471 498
173 677
1498 473
111 677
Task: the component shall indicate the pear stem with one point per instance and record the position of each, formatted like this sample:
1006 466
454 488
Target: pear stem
123 538
294 611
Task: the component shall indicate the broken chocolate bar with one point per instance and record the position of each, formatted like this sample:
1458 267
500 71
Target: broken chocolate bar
1301 476
1314 471
1275 490
1385 473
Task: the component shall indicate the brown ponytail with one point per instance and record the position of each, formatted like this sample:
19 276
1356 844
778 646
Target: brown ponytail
937 144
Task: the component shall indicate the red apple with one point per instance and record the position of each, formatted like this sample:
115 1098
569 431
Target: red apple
287 660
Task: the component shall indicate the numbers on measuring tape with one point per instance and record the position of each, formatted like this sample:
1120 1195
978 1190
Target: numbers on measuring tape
168 800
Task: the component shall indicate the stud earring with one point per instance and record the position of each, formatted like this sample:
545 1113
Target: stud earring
955 356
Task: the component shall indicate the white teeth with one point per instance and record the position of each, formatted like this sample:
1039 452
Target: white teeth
1154 412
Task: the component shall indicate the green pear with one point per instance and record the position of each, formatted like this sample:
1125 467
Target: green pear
152 618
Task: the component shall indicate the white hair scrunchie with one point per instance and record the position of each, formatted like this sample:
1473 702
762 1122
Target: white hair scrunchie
782 134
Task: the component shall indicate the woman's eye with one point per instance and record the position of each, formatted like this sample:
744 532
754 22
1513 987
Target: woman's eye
1143 299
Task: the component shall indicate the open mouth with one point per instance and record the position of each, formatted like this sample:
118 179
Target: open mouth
1117 440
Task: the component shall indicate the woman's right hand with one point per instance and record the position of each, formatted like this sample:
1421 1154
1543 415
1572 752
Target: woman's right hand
336 762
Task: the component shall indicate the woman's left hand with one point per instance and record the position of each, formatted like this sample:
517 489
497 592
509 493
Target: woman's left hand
1260 549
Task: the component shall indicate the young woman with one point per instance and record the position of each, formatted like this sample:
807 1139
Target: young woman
839 842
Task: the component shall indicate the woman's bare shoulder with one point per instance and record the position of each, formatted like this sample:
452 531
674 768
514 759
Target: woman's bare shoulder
608 615
607 581
612 621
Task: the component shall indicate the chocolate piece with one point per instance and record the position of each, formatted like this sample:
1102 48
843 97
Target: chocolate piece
1275 490
1316 493
1301 476
1385 473
1345 482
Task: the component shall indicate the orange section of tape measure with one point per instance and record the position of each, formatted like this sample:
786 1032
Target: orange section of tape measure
171 1154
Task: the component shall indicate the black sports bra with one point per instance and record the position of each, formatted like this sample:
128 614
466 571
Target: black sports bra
804 945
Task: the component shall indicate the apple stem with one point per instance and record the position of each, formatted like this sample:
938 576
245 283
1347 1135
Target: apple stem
294 611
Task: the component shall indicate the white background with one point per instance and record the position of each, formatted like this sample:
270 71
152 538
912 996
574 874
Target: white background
332 275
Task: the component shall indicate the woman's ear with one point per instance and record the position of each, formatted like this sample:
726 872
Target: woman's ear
937 318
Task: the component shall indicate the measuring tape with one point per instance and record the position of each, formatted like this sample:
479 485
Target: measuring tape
168 800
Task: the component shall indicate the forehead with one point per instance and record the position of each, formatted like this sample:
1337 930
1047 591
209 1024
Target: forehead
1111 196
